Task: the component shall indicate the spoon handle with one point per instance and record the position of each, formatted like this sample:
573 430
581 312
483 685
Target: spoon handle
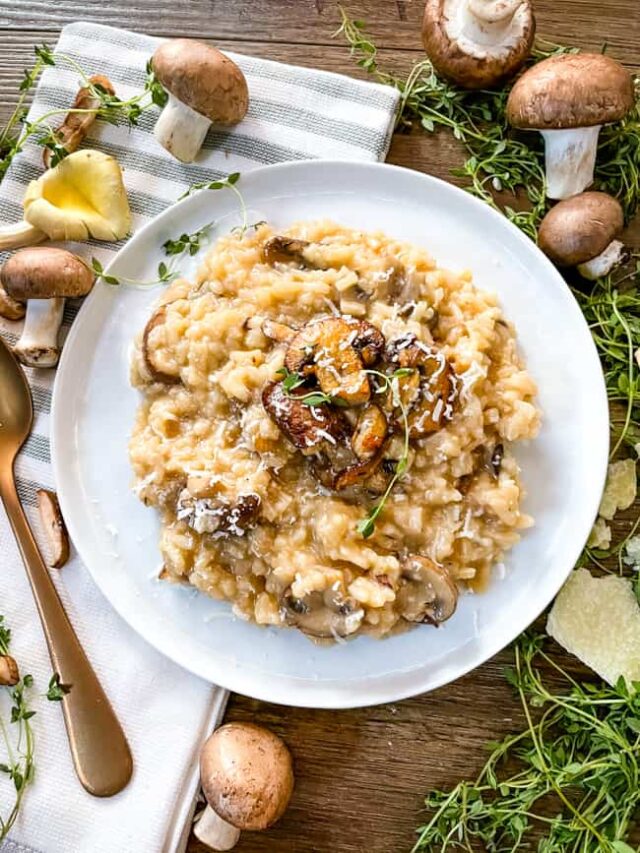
99 748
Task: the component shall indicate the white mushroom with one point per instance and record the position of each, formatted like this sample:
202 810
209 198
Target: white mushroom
43 277
204 86
582 232
247 777
478 43
568 98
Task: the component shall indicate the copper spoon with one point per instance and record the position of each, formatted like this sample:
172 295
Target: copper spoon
99 748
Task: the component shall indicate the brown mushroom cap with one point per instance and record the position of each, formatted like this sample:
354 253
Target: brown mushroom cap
44 272
247 775
569 91
580 228
203 78
488 68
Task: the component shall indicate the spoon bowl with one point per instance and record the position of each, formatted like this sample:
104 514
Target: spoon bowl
99 749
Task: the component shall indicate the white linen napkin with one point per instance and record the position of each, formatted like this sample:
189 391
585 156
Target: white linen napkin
166 713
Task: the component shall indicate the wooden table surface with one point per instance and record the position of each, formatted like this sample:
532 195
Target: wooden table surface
361 774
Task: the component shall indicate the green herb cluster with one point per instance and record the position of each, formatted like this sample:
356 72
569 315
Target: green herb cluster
579 753
110 108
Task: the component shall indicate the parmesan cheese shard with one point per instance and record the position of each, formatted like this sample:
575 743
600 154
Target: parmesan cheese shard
598 621
620 489
600 536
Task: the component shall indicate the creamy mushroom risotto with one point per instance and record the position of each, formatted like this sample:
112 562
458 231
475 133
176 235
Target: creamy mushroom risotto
326 427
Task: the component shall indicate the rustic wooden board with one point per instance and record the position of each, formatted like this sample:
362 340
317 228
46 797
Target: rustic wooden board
362 774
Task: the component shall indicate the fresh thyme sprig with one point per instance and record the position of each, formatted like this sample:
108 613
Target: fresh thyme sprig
228 183
110 108
499 159
292 380
390 384
56 691
189 244
579 751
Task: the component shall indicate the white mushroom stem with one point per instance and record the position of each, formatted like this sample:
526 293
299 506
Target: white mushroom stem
215 832
181 130
487 22
20 234
603 263
570 158
38 344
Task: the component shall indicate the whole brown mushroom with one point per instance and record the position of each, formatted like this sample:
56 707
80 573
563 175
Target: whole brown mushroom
582 232
567 98
246 773
42 277
204 86
478 43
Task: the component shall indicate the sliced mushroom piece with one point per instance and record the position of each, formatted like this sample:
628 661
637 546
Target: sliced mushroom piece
496 456
76 125
370 432
427 592
54 527
218 516
309 428
9 672
156 371
279 332
325 348
437 391
285 250
369 342
322 614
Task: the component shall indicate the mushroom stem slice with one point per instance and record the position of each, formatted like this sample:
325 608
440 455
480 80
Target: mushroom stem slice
20 234
181 130
214 832
602 264
38 344
570 158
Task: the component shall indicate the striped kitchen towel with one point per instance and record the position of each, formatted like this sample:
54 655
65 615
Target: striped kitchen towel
294 114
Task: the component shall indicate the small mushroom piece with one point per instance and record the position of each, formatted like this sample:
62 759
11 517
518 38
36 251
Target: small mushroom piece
159 369
478 43
246 773
9 672
218 517
76 125
10 309
322 614
370 432
54 527
426 593
308 428
567 98
277 331
43 277
368 342
204 86
582 232
285 250
326 348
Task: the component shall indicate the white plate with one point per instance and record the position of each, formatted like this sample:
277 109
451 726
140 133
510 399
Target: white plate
563 470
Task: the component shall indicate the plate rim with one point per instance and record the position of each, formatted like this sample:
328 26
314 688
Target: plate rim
324 694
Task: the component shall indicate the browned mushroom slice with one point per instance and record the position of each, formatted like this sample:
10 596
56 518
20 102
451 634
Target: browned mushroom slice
54 527
356 475
285 250
368 342
218 516
325 348
370 432
150 356
9 672
277 331
322 614
309 428
426 593
433 395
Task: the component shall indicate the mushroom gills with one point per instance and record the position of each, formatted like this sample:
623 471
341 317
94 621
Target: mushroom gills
38 344
322 614
181 130
570 158
602 264
427 592
485 26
